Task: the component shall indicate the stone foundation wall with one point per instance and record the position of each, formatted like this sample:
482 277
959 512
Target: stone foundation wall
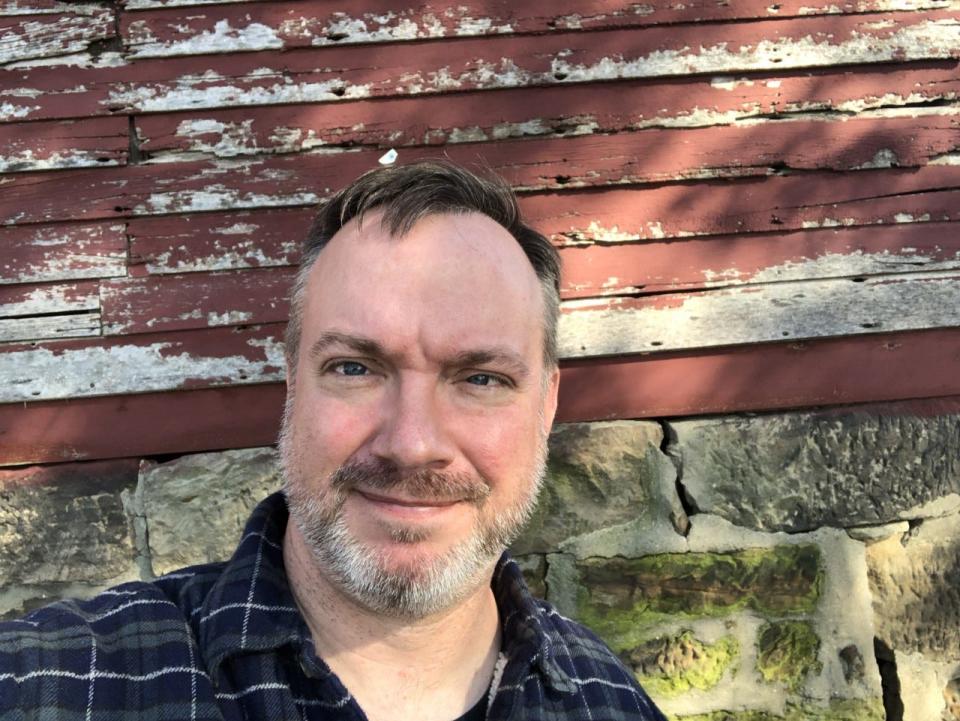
792 566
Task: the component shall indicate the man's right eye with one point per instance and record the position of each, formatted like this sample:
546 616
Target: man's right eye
350 368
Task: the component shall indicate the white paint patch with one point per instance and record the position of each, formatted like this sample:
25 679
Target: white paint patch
50 300
8 111
230 139
926 40
468 26
25 161
835 265
53 327
223 39
237 229
769 313
202 91
884 158
909 218
946 159
45 7
41 374
217 197
231 317
79 60
729 83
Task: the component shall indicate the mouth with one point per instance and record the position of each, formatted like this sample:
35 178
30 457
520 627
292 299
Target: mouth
411 503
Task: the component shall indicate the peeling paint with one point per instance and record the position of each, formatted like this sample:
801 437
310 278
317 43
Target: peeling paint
909 218
41 374
767 313
25 161
884 158
946 159
223 39
8 111
930 39
48 300
834 265
217 197
201 91
80 325
46 7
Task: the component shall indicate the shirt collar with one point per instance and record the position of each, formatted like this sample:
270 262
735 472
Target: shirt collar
250 607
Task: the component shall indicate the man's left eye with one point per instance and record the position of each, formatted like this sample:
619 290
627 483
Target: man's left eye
483 379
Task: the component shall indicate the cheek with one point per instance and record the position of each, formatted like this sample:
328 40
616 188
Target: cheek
503 449
328 433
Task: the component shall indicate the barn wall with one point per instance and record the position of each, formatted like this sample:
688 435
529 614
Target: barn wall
757 205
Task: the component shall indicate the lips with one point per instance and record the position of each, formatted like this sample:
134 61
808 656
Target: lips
407 502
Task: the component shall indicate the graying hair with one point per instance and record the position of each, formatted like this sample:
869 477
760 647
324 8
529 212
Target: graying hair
409 193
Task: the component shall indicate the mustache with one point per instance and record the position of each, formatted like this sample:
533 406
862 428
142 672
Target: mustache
381 475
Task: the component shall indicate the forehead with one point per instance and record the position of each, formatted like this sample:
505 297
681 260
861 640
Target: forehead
459 279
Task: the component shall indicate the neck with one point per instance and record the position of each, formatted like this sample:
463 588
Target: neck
430 668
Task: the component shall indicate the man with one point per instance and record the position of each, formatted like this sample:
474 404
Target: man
422 383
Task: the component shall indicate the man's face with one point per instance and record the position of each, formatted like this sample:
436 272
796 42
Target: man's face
415 433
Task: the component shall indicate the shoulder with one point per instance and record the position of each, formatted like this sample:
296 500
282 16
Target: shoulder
601 677
133 631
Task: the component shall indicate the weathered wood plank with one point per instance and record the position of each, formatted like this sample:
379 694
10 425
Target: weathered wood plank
694 263
885 367
252 239
79 325
48 7
762 314
195 300
217 241
143 425
28 37
279 181
93 142
679 322
907 136
273 25
749 205
798 202
153 362
48 299
351 72
62 252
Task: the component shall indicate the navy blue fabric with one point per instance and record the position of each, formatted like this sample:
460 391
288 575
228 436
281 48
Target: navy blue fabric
227 641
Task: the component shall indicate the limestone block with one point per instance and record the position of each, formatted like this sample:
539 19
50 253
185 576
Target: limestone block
799 471
740 625
604 477
787 653
623 599
192 510
915 581
928 689
65 524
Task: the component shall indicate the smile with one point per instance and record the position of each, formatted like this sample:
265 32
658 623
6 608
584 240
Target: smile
411 503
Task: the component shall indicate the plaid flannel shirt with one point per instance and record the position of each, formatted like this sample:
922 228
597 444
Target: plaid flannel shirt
227 641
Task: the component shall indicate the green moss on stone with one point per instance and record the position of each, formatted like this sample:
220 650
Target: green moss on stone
838 710
787 652
623 599
672 665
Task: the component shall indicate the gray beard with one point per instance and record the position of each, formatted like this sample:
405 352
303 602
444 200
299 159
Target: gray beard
356 568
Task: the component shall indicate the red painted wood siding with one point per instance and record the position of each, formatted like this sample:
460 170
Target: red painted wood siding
757 204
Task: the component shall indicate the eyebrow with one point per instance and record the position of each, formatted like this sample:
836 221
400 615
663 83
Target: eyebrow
479 357
353 342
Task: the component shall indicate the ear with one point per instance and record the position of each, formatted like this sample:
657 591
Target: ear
551 395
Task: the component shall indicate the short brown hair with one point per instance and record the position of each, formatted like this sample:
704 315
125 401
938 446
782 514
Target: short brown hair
409 193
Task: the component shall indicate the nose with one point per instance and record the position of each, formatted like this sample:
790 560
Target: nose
413 433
